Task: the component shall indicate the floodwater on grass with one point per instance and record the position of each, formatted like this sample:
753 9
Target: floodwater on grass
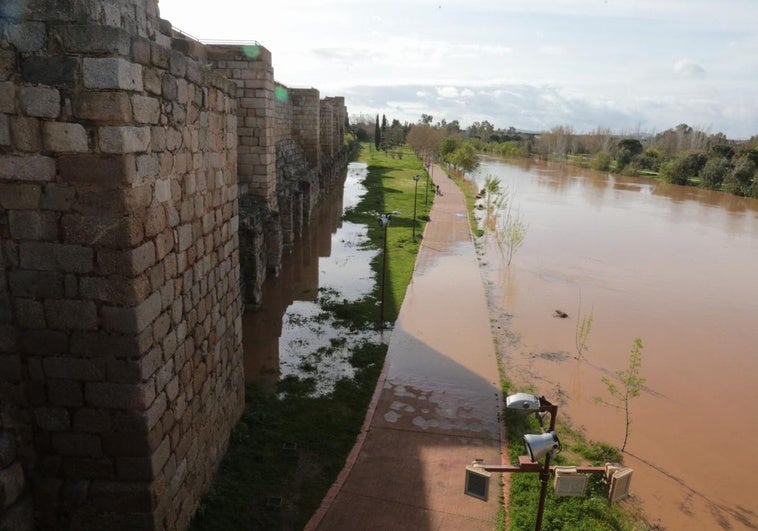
291 335
673 265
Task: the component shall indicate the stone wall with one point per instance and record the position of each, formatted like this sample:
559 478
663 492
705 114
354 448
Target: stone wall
283 171
140 172
120 329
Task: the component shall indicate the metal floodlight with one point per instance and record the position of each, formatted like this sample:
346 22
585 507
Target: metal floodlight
568 482
477 481
620 484
523 402
540 445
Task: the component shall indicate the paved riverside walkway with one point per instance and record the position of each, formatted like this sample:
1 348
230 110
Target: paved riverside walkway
436 404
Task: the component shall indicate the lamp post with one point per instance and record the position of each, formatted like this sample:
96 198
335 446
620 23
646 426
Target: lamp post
545 445
384 221
426 195
415 189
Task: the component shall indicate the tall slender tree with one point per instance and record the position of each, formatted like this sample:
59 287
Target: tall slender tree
377 134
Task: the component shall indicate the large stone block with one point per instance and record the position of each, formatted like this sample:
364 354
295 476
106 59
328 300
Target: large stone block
8 449
10 367
29 313
132 320
33 224
52 418
69 368
56 257
5 130
124 139
96 168
12 483
26 133
146 110
26 168
7 97
19 517
136 396
92 39
58 197
65 393
103 230
54 71
18 196
102 106
77 444
130 262
27 36
65 137
35 284
111 73
89 420
43 102
63 314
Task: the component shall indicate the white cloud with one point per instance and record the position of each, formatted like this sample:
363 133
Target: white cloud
447 92
688 69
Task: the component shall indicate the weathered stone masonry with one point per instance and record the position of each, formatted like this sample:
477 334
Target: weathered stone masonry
140 173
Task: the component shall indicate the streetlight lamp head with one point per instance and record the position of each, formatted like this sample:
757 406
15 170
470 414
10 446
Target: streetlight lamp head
539 445
384 220
523 403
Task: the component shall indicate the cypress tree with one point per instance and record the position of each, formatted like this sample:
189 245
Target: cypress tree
377 134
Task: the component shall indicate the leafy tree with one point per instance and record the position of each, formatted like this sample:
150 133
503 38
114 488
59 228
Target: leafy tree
632 145
721 151
385 127
682 169
740 180
464 157
426 119
630 386
601 161
377 134
714 172
448 144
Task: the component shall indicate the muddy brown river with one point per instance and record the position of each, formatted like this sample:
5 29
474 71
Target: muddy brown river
675 266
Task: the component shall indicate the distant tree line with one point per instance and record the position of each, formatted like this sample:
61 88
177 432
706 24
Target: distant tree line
680 155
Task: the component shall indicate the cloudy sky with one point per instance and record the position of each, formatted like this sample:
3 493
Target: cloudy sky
627 65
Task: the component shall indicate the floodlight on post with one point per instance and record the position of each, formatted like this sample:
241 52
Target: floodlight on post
415 189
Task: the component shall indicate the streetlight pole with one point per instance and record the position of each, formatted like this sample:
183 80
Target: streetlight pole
545 472
426 195
415 189
384 221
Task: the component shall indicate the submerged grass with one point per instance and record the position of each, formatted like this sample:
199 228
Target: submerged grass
289 446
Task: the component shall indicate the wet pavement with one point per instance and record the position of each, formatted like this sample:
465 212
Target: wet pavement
437 401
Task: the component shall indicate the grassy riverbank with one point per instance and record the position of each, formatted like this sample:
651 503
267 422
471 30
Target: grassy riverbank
289 446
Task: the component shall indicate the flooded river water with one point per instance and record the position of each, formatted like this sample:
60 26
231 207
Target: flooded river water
676 266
